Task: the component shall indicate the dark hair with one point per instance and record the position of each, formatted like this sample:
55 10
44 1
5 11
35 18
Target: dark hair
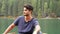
29 7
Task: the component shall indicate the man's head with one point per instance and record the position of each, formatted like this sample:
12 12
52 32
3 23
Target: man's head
27 10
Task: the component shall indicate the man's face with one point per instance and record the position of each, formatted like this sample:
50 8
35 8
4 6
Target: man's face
26 12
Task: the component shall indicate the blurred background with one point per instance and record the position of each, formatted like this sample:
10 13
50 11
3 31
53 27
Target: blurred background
46 11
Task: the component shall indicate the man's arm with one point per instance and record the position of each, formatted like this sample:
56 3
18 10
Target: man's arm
9 28
37 29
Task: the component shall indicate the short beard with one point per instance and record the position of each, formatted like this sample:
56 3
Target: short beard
26 15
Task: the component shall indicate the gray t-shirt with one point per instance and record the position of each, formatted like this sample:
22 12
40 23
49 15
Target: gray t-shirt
24 27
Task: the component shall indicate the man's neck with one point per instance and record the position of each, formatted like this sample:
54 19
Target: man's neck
28 18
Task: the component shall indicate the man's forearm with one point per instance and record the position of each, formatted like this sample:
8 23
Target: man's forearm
9 28
37 29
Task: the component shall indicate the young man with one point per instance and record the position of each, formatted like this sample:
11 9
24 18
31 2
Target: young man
26 24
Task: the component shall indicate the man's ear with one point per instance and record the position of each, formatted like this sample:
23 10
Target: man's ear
31 11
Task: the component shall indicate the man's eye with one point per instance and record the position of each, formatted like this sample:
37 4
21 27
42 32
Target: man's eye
25 10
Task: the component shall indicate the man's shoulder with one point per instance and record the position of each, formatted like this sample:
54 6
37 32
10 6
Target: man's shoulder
34 19
20 16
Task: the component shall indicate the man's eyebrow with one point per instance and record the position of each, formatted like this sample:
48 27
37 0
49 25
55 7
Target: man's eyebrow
25 10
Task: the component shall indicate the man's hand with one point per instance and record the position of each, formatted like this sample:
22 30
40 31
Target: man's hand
34 32
4 33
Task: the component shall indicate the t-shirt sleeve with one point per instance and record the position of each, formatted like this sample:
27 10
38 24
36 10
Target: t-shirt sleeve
36 22
16 21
